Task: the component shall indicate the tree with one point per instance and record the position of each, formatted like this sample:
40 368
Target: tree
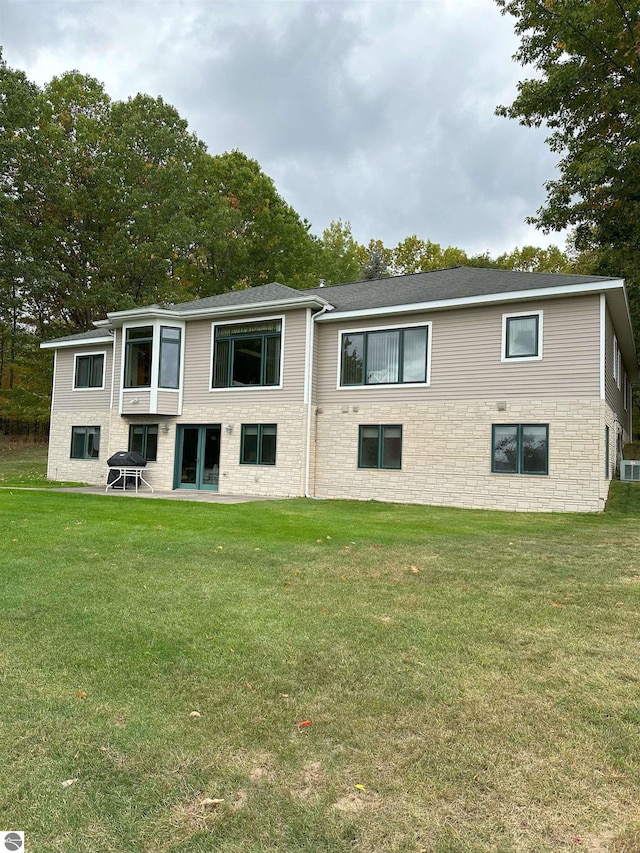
339 254
375 259
586 54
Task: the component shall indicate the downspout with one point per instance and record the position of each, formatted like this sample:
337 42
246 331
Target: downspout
308 387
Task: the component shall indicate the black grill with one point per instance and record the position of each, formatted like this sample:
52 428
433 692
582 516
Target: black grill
122 459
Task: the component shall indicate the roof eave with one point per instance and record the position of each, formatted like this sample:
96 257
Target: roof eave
118 318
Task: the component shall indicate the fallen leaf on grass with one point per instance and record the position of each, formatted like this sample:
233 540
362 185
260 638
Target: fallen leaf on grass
248 685
81 694
304 724
577 839
68 782
556 604
415 570
211 802
195 715
360 787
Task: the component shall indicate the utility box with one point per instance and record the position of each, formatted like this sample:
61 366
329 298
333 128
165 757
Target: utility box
630 471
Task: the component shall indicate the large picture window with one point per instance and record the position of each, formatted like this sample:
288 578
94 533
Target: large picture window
258 444
247 354
380 446
89 371
384 356
522 336
137 358
85 442
520 449
143 438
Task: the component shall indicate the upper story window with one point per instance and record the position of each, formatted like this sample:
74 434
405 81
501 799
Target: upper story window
88 371
247 354
522 336
617 362
137 358
385 356
169 357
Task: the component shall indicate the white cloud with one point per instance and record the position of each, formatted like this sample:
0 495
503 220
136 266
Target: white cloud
381 113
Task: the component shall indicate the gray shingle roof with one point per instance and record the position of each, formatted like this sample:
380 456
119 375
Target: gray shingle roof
81 336
272 292
453 283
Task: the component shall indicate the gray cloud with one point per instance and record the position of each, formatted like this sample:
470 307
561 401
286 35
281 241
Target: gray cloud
381 113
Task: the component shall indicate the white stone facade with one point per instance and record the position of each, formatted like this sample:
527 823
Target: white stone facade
446 456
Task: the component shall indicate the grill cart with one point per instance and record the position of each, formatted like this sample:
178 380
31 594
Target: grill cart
126 470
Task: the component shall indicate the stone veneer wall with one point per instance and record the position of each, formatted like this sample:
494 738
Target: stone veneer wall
60 466
284 479
446 456
446 453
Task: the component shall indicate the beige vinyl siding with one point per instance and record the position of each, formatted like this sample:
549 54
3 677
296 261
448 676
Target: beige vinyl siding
614 396
168 402
466 354
64 395
197 366
136 401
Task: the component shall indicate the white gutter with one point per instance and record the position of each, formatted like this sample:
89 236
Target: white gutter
308 387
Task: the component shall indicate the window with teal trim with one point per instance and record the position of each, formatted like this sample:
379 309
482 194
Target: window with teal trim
258 444
380 446
85 442
520 449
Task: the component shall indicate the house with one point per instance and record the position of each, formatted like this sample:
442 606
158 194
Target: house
460 387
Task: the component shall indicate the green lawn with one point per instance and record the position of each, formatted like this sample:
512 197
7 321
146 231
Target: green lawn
24 464
471 678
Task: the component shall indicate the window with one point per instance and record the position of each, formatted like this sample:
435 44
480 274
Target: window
89 371
137 359
520 449
607 472
384 356
143 438
85 442
617 367
522 336
380 447
247 354
169 357
258 444
626 391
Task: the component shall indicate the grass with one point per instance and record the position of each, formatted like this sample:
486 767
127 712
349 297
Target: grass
471 678
24 463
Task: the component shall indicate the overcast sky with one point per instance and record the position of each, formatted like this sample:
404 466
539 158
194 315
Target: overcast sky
378 112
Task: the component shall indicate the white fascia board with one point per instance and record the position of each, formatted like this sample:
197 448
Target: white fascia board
488 299
79 342
215 313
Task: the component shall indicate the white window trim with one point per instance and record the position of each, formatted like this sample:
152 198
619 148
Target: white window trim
428 324
153 389
626 392
239 321
520 358
78 355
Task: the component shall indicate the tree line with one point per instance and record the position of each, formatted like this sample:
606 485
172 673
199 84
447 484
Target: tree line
105 205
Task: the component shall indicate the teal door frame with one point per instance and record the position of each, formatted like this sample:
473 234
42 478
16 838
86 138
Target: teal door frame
197 457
